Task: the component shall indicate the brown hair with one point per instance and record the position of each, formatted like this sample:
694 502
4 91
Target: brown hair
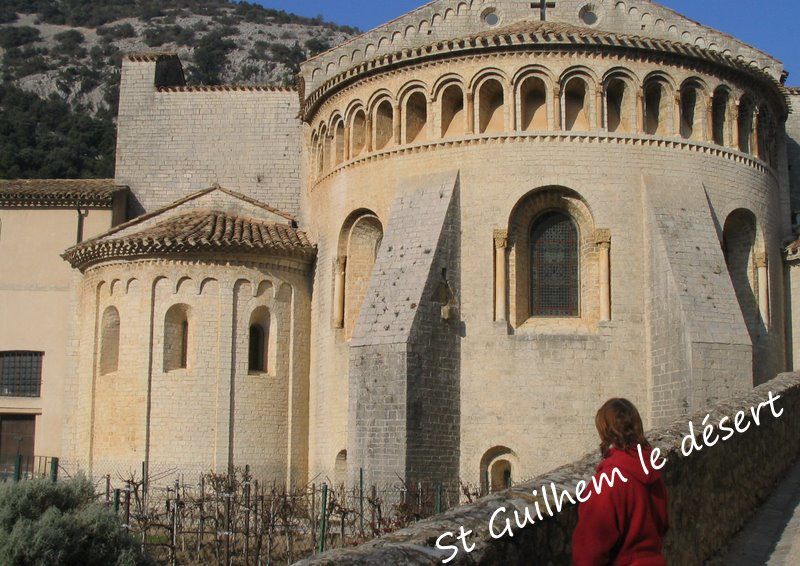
619 425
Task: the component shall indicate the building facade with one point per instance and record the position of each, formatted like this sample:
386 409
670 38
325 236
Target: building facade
434 259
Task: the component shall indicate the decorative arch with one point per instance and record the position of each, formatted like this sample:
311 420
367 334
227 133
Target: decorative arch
619 96
720 116
359 240
414 104
693 109
109 341
536 223
491 95
658 89
450 96
498 466
383 124
533 88
746 123
358 131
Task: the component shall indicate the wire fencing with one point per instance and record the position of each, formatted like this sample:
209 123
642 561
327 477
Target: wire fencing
234 519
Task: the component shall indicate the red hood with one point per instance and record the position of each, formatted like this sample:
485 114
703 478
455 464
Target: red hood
629 464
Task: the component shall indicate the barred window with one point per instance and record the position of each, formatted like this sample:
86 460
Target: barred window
554 266
256 354
20 374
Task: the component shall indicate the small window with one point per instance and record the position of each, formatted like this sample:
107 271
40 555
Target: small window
20 374
554 266
257 343
176 338
109 341
490 17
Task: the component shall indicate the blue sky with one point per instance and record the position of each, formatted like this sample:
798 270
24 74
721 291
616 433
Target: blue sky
770 25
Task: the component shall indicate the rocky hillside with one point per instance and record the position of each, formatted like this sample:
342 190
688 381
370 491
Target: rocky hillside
60 67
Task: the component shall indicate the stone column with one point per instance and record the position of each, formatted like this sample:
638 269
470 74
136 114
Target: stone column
347 149
676 115
735 125
396 124
470 113
603 241
369 135
501 274
338 291
557 108
709 129
600 108
763 287
512 111
640 113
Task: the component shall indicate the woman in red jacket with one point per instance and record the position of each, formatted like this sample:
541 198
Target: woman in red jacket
625 524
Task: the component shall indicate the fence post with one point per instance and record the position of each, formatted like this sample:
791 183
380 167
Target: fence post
108 488
247 514
128 506
53 469
323 519
18 467
116 500
438 501
361 498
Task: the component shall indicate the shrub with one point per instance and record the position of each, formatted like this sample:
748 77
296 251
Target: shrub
69 43
120 31
42 522
157 36
290 57
7 16
317 45
18 36
210 58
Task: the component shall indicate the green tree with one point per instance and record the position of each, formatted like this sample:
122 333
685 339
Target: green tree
210 58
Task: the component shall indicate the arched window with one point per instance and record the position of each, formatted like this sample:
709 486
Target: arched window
261 344
746 115
416 118
358 133
491 103
533 100
453 117
719 116
340 468
359 243
497 468
176 338
554 266
618 106
109 341
338 153
656 108
384 125
256 349
576 108
691 112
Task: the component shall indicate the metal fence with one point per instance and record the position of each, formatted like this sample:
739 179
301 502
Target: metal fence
18 467
237 520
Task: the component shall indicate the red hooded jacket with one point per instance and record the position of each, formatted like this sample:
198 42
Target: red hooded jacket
625 524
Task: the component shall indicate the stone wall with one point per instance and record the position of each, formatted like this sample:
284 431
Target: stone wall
793 147
404 357
712 493
176 140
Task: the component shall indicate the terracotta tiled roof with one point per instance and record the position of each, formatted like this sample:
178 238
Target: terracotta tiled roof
198 231
58 193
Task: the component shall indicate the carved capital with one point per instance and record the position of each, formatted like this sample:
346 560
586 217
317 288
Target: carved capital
340 263
500 239
602 237
761 259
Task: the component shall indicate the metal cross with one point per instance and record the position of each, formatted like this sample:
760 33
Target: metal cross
543 5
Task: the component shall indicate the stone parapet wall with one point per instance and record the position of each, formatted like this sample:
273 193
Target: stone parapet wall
712 493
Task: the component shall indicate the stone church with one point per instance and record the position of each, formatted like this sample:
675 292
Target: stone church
432 260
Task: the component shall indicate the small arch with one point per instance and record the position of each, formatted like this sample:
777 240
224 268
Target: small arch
113 286
533 103
620 103
692 110
745 124
384 124
416 117
359 242
338 142
176 338
491 106
657 105
109 341
263 289
720 108
497 468
453 112
765 135
358 132
182 284
576 104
